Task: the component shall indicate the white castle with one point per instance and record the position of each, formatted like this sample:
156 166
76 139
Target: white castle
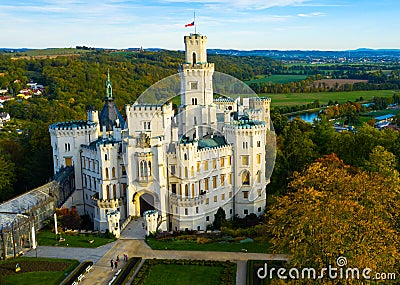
185 165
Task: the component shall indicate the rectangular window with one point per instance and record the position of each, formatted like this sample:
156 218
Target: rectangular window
68 161
229 160
123 170
198 166
193 85
206 165
245 160
223 196
206 184
246 212
207 201
173 169
222 179
258 158
186 211
246 194
230 179
258 144
208 218
215 199
214 182
173 188
230 194
197 210
222 161
214 163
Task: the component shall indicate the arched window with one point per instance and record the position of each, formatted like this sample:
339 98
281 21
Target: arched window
186 190
113 172
114 191
246 178
258 177
192 171
143 169
186 172
149 165
106 173
194 58
105 157
192 190
108 192
185 156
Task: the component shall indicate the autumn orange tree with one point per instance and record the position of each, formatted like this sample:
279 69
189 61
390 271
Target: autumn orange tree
333 210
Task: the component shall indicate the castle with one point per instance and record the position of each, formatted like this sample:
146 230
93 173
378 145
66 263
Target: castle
209 154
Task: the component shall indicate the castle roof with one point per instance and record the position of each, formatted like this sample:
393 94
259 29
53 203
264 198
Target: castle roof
79 124
216 141
110 113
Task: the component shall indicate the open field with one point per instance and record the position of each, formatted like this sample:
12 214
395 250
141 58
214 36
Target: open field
48 53
256 246
35 271
277 78
324 97
332 82
78 240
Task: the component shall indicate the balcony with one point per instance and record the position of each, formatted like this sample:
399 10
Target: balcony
187 202
106 203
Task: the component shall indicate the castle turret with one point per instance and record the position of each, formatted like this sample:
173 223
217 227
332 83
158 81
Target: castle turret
196 89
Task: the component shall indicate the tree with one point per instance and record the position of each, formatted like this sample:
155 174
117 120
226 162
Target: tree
336 210
219 218
382 161
7 178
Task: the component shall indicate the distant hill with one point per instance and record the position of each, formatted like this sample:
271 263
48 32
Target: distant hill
308 54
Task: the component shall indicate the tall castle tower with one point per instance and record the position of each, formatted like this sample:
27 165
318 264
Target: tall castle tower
197 118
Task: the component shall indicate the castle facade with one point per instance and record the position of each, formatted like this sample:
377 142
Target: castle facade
184 163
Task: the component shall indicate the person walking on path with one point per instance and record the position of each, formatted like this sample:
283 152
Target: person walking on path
116 264
117 258
112 264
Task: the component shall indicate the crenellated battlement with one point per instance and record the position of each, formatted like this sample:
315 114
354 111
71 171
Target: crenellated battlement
73 125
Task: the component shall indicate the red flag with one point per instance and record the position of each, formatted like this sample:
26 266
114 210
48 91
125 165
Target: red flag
189 25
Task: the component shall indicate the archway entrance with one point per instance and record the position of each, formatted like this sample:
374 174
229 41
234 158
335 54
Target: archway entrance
146 202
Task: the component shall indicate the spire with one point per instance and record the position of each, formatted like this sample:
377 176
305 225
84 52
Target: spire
108 87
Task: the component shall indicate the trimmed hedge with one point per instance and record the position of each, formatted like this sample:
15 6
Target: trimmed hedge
74 275
228 276
128 269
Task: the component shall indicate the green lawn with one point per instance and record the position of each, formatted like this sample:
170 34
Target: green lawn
170 274
277 78
79 240
256 246
38 271
324 97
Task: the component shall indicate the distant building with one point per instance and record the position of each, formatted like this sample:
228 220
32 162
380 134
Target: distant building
180 165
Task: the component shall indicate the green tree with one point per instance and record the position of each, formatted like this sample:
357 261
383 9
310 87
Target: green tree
219 218
7 177
336 210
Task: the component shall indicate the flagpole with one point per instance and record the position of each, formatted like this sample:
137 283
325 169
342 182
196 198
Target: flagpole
194 20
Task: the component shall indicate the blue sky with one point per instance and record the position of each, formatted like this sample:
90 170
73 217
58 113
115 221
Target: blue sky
236 24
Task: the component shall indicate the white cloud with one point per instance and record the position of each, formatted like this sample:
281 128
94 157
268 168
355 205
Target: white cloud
314 14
